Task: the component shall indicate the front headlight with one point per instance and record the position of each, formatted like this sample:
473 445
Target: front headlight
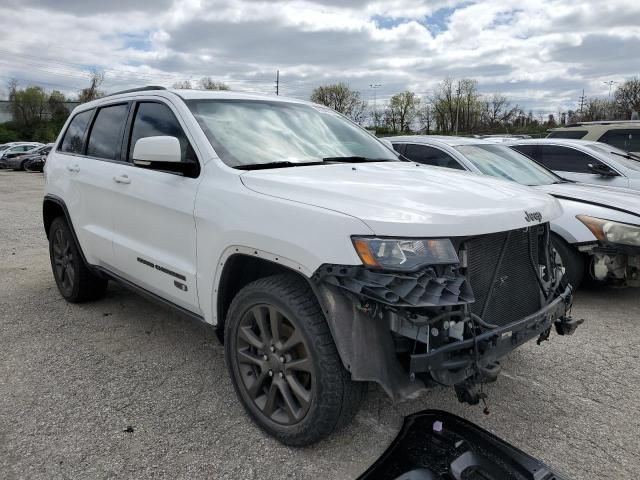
610 231
404 254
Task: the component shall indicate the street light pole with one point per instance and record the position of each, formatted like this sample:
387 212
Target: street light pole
610 83
375 106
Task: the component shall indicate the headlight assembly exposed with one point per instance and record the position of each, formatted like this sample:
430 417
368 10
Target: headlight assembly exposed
610 231
404 254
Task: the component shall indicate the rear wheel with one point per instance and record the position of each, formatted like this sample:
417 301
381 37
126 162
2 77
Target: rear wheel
75 281
284 364
572 261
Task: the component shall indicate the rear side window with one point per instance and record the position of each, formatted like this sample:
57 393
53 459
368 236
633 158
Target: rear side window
430 156
105 139
528 150
74 136
156 119
627 139
574 134
565 159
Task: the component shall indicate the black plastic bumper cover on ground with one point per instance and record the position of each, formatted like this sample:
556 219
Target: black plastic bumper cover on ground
435 445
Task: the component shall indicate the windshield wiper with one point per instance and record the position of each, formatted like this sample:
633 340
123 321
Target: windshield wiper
628 156
282 164
354 159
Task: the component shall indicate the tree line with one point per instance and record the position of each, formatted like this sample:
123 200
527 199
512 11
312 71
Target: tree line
457 107
39 114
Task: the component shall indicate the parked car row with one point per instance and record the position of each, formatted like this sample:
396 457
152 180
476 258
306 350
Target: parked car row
24 155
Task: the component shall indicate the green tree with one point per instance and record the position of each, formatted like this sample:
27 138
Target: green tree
341 98
401 111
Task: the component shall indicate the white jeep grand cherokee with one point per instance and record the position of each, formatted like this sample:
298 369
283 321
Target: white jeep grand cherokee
326 261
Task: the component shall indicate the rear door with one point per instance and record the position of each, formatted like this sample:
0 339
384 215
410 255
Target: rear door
155 234
627 139
90 149
574 164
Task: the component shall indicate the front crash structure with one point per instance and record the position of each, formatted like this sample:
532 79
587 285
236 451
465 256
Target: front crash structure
447 324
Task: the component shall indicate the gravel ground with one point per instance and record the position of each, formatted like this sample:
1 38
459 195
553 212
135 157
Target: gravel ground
73 378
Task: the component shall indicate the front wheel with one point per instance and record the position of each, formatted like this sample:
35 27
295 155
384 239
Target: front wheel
572 261
284 364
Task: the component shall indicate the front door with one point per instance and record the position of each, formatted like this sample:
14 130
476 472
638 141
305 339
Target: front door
155 236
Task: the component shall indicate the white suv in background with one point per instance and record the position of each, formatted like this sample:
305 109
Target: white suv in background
326 261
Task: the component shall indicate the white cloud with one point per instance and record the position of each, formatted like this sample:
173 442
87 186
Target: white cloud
542 53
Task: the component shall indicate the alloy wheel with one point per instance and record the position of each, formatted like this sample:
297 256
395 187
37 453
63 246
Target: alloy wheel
63 260
274 364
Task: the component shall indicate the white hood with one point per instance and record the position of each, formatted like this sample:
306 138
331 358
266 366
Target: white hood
402 199
611 197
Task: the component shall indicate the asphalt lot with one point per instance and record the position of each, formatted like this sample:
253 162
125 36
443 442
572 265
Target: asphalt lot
74 377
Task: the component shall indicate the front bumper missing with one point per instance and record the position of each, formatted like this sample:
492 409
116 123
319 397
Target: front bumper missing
613 263
458 361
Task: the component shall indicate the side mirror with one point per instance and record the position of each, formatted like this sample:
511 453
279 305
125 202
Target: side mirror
162 153
150 150
602 169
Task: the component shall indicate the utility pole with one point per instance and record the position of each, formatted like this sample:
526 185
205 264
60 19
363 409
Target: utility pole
375 106
457 106
581 104
277 82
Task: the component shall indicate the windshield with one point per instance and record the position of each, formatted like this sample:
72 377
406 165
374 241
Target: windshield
501 161
252 132
618 155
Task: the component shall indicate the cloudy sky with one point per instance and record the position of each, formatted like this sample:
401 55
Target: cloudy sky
541 53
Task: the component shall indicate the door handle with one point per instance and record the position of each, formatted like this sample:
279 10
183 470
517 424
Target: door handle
121 179
73 168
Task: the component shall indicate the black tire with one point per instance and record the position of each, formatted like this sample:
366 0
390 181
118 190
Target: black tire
75 281
334 398
572 261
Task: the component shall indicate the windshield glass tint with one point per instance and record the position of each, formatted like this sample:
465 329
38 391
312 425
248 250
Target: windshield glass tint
249 132
501 161
631 163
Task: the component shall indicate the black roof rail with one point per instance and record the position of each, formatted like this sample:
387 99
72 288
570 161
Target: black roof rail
139 89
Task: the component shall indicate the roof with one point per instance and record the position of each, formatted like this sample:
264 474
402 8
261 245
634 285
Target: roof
186 94
553 141
442 139
599 122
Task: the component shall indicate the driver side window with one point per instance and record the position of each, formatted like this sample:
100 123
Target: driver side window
154 119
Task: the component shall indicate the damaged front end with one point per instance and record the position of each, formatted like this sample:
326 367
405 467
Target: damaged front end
613 264
446 323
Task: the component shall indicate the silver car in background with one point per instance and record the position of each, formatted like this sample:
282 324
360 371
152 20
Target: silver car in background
584 161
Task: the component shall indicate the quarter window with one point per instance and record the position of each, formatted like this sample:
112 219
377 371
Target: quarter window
156 119
430 156
565 159
74 136
105 139
627 139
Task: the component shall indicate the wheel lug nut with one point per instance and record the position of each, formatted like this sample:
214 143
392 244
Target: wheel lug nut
281 375
273 349
271 373
264 357
282 359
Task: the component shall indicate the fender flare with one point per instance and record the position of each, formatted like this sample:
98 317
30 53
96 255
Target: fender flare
50 198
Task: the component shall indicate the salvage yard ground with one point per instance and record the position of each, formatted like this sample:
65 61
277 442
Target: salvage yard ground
125 388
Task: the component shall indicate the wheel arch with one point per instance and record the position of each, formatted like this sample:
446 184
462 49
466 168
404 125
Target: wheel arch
241 267
54 207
